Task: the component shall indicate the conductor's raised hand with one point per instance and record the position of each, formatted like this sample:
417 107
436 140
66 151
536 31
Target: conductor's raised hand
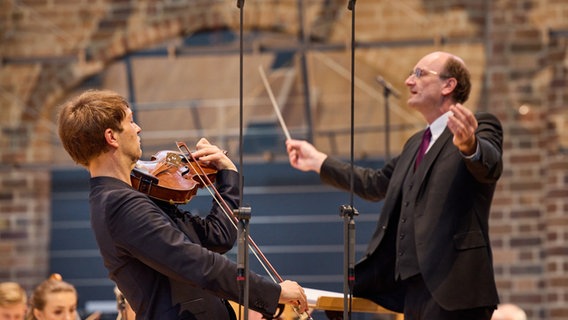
304 156
292 293
213 156
462 124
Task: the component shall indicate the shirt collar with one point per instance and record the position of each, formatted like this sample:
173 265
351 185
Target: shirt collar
438 126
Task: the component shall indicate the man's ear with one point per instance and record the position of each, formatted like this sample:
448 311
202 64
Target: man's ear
449 86
110 137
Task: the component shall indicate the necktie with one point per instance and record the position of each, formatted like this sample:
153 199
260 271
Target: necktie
423 147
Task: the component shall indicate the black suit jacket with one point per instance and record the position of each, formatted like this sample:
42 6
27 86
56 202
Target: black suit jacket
450 202
165 271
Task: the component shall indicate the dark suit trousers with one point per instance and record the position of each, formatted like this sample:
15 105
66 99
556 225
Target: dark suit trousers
419 305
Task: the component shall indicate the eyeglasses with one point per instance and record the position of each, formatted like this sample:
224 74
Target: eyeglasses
418 73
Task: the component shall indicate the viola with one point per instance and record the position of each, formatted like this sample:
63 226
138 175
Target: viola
171 176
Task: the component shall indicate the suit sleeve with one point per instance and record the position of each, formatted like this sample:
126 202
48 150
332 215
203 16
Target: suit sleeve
488 167
370 184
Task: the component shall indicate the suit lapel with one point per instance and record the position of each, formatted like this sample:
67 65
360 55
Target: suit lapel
404 166
436 148
406 160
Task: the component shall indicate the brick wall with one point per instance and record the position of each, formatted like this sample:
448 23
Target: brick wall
526 71
517 51
555 194
24 202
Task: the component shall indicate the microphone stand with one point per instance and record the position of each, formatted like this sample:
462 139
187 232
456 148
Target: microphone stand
243 214
348 211
387 91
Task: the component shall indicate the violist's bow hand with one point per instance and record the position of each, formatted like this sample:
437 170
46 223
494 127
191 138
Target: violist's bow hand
462 124
212 156
304 156
292 293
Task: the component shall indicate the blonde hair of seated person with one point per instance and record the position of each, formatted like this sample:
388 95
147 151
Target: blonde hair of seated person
509 311
13 301
53 299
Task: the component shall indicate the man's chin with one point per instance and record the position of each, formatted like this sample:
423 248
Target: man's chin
137 157
411 103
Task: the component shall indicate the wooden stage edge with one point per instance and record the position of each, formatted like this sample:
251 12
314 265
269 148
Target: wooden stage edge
331 301
362 305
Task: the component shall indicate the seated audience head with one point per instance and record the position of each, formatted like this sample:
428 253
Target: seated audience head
509 311
13 301
53 299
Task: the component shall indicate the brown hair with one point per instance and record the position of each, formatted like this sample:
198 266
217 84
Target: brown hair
54 284
84 119
454 68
